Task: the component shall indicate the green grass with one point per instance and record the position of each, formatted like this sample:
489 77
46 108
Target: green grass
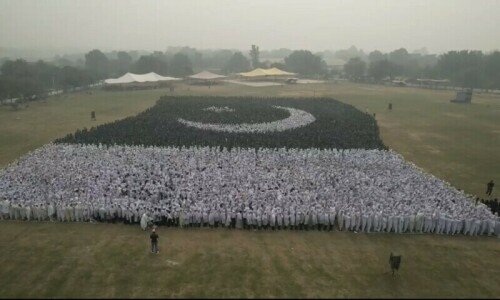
103 260
458 143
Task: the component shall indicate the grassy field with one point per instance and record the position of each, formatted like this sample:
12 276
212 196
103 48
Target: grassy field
105 260
458 143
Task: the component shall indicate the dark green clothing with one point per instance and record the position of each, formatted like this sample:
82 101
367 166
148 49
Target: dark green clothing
154 237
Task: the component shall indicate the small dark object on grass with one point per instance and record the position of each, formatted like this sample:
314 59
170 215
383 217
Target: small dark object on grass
394 262
92 115
154 241
489 187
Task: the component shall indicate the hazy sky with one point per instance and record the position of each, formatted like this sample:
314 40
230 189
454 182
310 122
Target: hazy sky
439 25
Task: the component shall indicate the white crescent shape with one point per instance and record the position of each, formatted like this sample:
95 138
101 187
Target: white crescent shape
298 118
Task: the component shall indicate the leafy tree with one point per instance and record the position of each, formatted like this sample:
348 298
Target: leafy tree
265 64
3 59
62 61
195 57
24 88
71 77
375 56
276 54
16 68
29 88
181 65
217 59
150 63
30 77
254 56
278 65
346 54
120 64
32 80
97 64
237 63
464 68
8 88
492 70
399 56
422 51
355 68
45 74
380 69
305 63
134 54
124 61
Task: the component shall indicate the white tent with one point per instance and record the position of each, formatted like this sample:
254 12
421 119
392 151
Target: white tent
205 75
259 72
131 78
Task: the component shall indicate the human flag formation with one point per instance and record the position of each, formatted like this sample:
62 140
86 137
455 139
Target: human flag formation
277 163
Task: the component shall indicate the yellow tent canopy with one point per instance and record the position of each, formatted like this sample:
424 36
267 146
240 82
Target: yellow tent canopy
278 72
254 73
266 72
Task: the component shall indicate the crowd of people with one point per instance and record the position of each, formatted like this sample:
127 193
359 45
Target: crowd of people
219 109
352 190
492 204
298 118
254 123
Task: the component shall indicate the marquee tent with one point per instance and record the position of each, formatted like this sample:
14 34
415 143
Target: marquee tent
266 72
255 73
205 75
139 78
278 72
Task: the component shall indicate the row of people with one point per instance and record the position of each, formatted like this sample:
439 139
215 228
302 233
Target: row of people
284 187
247 220
492 204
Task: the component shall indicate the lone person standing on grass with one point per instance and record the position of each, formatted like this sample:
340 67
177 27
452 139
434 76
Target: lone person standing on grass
154 242
489 187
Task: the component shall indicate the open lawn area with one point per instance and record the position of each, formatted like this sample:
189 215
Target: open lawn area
105 260
457 143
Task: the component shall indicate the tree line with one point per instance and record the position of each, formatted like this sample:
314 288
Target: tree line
26 80
22 79
466 68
